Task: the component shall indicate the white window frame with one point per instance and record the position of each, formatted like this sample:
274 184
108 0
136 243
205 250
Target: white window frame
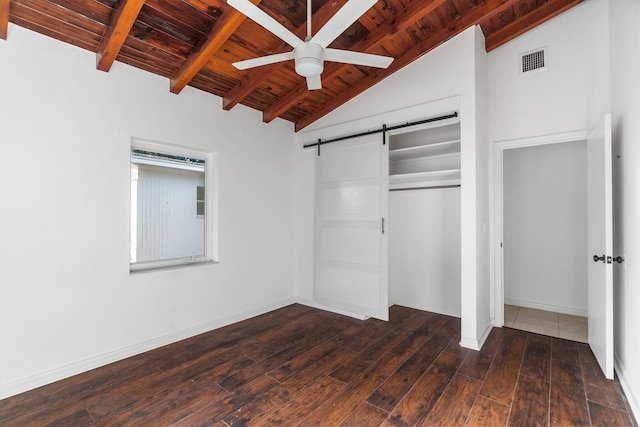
211 205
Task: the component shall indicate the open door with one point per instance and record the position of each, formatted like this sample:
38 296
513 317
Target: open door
351 266
600 244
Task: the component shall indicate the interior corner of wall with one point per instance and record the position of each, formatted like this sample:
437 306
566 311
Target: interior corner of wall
631 391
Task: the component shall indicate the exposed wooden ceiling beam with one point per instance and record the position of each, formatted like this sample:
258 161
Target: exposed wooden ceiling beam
4 18
252 79
123 18
477 14
525 23
219 34
374 39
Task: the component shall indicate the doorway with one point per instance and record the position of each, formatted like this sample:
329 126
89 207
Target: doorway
599 234
545 239
540 245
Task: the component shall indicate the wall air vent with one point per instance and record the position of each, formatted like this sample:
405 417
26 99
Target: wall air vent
534 60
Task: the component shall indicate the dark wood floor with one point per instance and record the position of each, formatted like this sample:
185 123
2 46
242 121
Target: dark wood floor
301 366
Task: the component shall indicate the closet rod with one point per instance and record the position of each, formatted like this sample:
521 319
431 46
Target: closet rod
425 188
384 128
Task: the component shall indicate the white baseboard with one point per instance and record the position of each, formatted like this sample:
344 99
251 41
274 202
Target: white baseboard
476 344
632 398
547 307
47 377
311 303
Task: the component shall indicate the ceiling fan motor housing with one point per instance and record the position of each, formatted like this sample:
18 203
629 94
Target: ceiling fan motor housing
309 58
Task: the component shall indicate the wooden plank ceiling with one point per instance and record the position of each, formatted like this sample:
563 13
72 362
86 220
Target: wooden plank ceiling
194 42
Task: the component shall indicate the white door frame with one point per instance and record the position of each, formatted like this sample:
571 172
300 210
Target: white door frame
497 284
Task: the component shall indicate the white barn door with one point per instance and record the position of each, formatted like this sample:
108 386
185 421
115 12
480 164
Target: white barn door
351 268
600 244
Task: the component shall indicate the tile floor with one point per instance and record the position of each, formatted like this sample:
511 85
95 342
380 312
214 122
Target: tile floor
546 323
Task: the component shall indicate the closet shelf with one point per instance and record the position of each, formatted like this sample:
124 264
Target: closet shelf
426 150
425 179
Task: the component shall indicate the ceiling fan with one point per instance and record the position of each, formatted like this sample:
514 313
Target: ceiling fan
310 54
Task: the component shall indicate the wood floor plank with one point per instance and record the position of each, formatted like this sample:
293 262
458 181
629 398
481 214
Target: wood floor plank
476 365
276 339
419 336
454 347
537 357
405 318
320 368
171 406
82 386
259 411
531 403
365 415
605 416
568 396
337 408
369 355
397 313
565 351
215 411
279 395
237 378
493 341
78 418
487 412
302 366
501 379
303 403
306 359
416 405
393 390
599 389
358 338
120 399
59 400
454 406
62 415
148 391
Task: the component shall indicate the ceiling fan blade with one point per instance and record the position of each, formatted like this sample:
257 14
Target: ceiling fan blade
347 15
357 58
263 60
314 82
261 18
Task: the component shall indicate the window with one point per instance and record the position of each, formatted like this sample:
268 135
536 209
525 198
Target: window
172 218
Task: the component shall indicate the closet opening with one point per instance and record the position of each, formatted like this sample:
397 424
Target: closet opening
543 243
424 218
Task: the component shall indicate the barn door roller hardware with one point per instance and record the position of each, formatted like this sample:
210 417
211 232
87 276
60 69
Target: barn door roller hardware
384 129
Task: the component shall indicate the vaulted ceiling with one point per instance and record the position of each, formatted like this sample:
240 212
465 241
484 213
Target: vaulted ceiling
194 42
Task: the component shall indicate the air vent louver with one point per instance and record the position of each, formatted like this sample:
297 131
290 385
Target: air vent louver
534 60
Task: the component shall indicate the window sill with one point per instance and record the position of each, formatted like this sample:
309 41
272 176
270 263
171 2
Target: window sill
146 267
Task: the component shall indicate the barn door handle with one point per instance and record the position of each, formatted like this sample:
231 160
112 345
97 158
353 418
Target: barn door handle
382 225
597 258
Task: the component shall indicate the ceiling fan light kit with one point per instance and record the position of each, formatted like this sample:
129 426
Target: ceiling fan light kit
309 59
309 55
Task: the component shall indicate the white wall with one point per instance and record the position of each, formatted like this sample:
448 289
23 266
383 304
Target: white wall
424 249
625 100
545 227
594 68
571 94
67 300
480 293
448 71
